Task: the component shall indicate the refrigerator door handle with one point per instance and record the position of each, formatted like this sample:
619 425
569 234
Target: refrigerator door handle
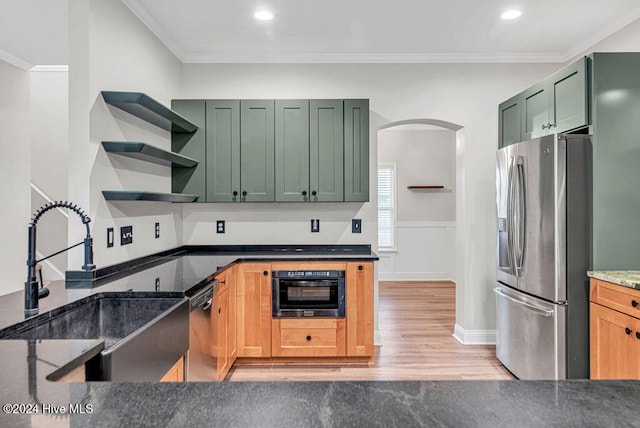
521 211
541 311
510 215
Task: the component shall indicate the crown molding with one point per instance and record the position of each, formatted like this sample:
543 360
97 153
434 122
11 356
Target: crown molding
601 35
374 58
7 57
154 26
50 68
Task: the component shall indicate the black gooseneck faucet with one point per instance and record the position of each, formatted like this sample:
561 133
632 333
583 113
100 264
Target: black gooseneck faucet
31 291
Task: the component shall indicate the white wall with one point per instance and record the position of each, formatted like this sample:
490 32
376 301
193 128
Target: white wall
15 170
110 49
626 39
465 94
425 227
49 163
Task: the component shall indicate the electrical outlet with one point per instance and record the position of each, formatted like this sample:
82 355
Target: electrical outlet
315 225
356 225
109 237
157 230
126 235
220 226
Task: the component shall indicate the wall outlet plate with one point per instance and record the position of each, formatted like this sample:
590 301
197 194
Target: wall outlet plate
157 230
315 225
109 237
126 235
220 226
356 225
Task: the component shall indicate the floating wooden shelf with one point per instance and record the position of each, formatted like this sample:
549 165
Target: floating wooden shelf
149 110
148 153
424 187
137 195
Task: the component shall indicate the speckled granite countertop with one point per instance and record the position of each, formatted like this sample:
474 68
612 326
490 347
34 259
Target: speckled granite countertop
626 278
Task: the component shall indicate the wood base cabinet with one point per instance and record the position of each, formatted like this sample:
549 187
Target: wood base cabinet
253 281
175 373
615 331
359 310
319 337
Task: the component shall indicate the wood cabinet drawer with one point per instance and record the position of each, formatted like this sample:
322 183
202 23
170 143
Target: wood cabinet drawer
308 337
618 297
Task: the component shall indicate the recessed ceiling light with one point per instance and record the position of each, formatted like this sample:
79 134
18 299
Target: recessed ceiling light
511 14
263 15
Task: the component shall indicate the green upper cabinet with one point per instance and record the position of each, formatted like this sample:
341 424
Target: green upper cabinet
223 150
509 128
190 180
535 111
275 150
257 151
569 91
326 157
557 104
292 150
356 150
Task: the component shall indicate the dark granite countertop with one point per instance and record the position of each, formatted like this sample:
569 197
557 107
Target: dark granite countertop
337 404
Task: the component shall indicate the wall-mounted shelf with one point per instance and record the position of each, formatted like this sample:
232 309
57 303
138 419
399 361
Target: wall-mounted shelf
149 110
424 187
136 195
148 153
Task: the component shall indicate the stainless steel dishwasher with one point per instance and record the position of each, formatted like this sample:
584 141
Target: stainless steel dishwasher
202 349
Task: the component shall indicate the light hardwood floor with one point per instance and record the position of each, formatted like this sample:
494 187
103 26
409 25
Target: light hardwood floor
416 326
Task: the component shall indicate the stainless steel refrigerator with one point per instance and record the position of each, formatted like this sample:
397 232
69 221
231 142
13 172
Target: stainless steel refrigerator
543 243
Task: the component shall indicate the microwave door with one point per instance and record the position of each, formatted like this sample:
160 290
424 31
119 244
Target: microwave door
505 192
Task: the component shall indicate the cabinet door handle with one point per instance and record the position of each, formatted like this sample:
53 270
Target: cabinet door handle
304 193
634 303
244 193
359 267
627 330
308 338
638 335
219 310
314 193
265 273
544 126
235 193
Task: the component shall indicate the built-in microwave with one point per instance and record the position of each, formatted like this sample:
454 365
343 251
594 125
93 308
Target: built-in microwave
313 293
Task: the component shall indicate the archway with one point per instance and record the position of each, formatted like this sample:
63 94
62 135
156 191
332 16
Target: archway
454 230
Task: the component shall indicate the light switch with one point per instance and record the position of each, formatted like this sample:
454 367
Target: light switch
315 225
109 237
356 225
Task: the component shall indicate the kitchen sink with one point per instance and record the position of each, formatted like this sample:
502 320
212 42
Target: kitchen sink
144 336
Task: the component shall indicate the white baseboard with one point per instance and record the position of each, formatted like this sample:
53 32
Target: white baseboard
416 276
376 338
474 337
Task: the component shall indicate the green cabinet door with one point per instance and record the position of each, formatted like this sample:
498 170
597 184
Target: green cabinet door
568 107
326 157
190 180
535 112
223 150
292 150
257 151
509 120
356 150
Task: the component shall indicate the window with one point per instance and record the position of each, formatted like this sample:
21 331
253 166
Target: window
386 206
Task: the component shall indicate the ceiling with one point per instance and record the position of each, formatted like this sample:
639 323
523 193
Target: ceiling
401 31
